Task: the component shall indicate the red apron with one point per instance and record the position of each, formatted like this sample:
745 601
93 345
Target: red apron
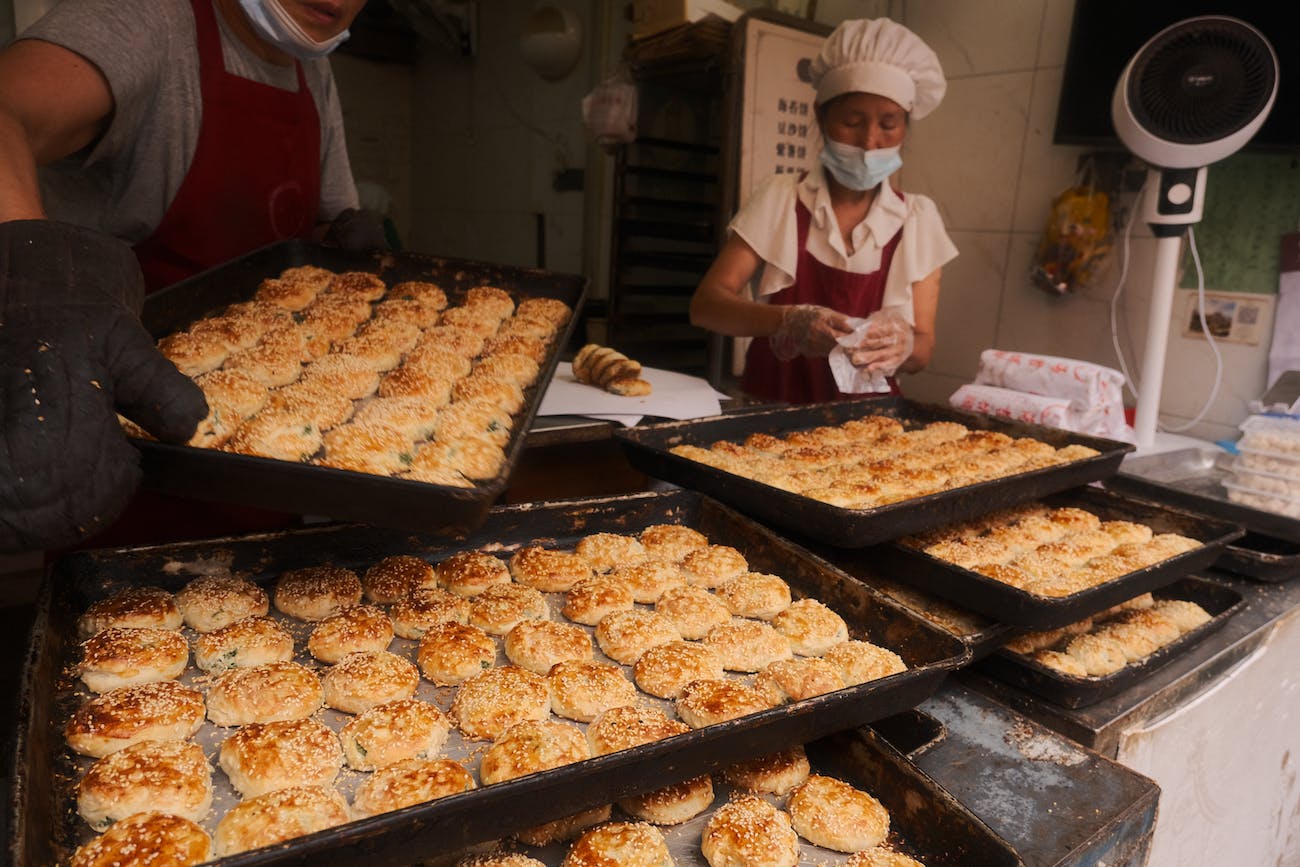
255 176
254 180
809 380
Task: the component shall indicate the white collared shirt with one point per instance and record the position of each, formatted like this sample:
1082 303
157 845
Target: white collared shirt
767 223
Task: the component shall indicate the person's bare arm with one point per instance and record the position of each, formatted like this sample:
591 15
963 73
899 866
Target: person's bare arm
925 308
719 303
53 102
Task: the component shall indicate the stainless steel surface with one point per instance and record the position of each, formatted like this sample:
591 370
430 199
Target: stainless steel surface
1198 470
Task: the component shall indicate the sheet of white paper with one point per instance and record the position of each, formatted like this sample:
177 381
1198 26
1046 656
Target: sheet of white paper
673 395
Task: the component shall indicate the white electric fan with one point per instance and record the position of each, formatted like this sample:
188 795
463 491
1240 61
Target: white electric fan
1193 94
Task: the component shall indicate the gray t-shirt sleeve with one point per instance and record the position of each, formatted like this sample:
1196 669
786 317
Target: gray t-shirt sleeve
338 190
146 51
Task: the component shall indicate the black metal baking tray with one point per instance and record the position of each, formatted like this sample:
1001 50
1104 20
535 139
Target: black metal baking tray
1192 479
306 489
981 634
912 732
1220 601
1261 558
1016 607
925 820
44 825
928 820
648 448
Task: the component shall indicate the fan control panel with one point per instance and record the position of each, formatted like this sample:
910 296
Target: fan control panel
1176 198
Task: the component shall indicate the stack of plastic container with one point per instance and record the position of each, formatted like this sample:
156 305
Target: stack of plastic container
1266 472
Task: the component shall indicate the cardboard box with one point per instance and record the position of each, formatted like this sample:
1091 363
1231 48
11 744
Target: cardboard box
655 16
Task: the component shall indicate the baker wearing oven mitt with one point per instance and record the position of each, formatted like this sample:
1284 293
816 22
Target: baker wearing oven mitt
171 136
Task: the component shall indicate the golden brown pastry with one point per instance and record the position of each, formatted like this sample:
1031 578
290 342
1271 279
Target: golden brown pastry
749 831
147 838
830 813
611 370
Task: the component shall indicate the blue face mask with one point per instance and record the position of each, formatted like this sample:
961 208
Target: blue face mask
859 169
278 27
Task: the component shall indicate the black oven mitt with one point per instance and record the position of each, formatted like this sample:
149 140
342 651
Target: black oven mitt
72 353
359 230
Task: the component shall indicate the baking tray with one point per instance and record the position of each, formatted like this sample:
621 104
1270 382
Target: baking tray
1219 601
925 821
981 634
648 447
1192 479
45 826
1261 558
912 732
305 489
1016 607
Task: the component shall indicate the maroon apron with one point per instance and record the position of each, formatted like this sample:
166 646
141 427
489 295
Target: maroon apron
254 180
809 380
255 176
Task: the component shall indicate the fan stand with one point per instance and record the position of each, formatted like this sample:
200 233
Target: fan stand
1175 202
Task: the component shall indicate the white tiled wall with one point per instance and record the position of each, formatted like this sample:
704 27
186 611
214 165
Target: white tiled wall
986 157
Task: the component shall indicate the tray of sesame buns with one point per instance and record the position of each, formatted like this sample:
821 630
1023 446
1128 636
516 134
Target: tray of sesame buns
394 389
1058 559
1097 657
852 798
858 472
295 693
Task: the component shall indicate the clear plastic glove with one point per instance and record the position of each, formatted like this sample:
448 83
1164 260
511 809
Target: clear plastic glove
807 329
886 343
72 354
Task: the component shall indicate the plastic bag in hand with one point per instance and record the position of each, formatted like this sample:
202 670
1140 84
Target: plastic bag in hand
807 329
72 354
883 342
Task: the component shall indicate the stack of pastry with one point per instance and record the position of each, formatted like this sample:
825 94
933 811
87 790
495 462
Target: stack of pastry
607 368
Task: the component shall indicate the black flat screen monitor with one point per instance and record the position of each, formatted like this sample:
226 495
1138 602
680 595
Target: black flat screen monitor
1107 33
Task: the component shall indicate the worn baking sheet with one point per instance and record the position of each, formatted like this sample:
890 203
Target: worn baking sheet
648 448
340 494
1016 607
912 732
1192 479
1219 601
925 821
981 634
46 826
1262 558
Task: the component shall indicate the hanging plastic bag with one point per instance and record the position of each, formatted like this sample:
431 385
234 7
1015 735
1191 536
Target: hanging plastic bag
1077 238
609 111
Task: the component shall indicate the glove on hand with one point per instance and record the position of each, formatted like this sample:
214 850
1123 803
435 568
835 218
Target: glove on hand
358 230
72 349
807 329
886 344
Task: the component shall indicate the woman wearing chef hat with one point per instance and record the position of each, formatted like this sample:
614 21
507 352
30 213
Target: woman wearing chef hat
170 136
839 244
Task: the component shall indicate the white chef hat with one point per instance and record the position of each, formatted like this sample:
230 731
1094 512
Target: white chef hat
883 57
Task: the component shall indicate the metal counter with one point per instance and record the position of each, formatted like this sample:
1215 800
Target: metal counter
1056 803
